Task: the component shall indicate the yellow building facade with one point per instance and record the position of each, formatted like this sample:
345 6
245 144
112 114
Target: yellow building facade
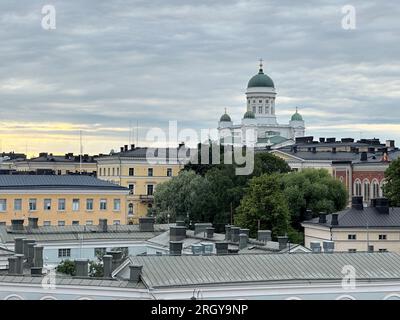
139 170
61 200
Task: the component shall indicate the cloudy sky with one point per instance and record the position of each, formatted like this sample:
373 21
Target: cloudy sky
111 63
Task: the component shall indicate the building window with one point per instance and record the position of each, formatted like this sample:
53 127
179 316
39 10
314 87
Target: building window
351 237
32 205
131 189
169 172
113 171
116 222
366 190
46 223
150 172
3 205
352 250
103 204
17 204
108 171
61 223
260 109
64 253
131 171
89 222
130 209
59 172
357 188
117 204
89 204
75 204
117 171
61 204
375 189
75 223
47 204
382 237
382 250
150 189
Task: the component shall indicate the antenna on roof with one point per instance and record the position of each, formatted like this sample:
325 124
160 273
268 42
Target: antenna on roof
130 132
137 132
81 151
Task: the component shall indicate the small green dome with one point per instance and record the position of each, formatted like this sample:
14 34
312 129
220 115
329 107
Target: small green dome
296 117
260 80
249 115
225 118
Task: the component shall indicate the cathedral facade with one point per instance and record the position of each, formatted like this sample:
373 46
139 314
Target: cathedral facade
259 126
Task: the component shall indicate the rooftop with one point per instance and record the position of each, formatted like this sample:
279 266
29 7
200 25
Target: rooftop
174 271
55 182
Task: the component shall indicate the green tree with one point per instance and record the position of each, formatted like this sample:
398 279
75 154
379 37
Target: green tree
67 267
96 269
313 189
264 205
391 188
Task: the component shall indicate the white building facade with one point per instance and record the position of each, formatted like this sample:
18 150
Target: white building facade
259 126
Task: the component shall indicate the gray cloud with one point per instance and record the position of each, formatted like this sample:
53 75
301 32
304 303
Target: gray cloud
112 62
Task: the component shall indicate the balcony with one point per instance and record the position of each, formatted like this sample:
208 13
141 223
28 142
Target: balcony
146 198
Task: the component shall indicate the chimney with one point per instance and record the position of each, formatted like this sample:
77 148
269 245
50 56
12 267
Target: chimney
12 265
322 140
132 147
177 233
308 215
264 235
390 144
315 246
26 242
33 223
322 217
243 238
19 245
107 265
335 220
227 232
31 253
235 231
20 263
245 231
126 147
116 258
282 240
357 203
82 267
364 156
382 205
373 203
103 225
17 224
38 257
210 232
221 248
175 248
122 149
146 224
197 249
201 227
134 273
370 248
329 246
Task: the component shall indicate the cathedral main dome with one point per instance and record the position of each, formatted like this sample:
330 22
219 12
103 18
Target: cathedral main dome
260 80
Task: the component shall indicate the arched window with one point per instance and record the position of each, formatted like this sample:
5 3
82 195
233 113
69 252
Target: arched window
367 190
381 193
357 188
375 189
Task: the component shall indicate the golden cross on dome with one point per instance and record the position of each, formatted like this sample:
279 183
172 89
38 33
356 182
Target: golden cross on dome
261 63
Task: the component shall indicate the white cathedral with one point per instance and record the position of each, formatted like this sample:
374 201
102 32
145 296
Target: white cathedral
260 119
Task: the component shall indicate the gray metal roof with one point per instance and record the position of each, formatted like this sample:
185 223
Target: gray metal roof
170 271
368 217
55 182
71 233
143 153
4 255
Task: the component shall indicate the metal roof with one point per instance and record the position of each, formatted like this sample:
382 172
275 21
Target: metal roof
144 153
71 233
368 217
55 182
171 271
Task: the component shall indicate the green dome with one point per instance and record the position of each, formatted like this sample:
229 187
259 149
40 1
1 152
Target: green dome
225 117
260 80
296 117
249 115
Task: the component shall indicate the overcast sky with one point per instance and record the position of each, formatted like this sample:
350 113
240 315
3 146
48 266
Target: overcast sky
109 63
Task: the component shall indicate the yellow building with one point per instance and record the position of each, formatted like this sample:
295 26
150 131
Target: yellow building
357 229
58 164
61 200
141 170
